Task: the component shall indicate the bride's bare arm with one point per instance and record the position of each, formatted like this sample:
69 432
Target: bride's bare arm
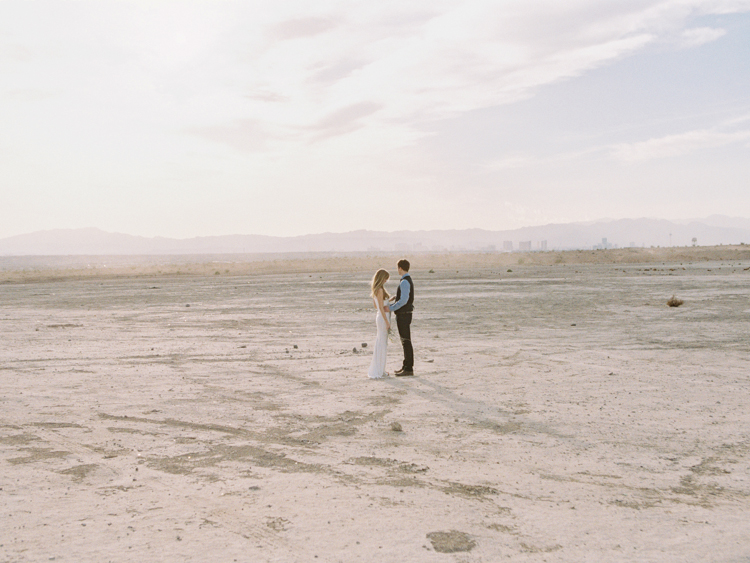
381 308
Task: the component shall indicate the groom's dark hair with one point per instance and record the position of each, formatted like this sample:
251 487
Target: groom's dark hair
404 265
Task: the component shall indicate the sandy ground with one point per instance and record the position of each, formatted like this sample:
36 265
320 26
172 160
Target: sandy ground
560 412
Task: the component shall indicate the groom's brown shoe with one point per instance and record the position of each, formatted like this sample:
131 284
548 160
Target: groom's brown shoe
403 372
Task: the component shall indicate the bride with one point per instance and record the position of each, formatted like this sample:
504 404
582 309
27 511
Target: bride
382 322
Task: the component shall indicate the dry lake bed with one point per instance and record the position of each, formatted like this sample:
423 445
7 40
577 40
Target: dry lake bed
559 413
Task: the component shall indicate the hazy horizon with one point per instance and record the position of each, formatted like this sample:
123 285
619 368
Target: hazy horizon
624 233
185 120
716 220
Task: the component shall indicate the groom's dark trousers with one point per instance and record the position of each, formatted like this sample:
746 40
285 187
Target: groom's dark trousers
403 322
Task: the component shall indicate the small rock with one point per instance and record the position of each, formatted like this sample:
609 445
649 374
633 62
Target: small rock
396 427
364 345
296 347
188 305
354 349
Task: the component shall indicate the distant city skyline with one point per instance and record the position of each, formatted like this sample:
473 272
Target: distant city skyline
189 119
622 233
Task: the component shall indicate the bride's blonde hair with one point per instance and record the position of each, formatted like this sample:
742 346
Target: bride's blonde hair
378 282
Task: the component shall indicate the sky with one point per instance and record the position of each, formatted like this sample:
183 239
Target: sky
200 118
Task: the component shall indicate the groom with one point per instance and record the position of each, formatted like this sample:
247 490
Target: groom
403 307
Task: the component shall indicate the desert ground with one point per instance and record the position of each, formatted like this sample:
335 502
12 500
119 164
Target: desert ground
214 410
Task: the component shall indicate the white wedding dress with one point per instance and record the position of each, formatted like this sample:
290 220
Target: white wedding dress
377 366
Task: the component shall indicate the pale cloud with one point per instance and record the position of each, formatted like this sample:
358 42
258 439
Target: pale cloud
528 161
676 145
456 61
700 35
337 71
291 65
266 96
305 27
511 161
243 134
458 57
345 119
15 52
737 120
28 95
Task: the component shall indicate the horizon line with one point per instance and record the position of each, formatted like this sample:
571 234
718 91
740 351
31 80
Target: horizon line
587 222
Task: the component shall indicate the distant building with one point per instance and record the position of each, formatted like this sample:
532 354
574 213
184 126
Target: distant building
508 245
604 245
543 245
524 245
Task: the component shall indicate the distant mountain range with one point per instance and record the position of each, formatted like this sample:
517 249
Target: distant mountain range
709 231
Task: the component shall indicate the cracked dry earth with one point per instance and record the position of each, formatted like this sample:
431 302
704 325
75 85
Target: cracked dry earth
558 414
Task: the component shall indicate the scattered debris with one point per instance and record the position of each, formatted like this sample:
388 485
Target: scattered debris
277 524
674 302
451 542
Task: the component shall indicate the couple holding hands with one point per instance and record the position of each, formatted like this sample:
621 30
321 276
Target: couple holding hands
403 306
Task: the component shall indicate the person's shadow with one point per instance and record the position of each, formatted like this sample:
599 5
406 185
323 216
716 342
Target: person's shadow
479 413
